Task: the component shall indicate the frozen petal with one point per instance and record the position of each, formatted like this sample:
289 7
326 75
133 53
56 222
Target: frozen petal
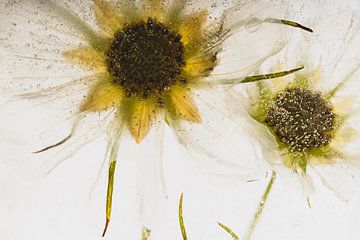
32 41
27 158
264 141
183 104
153 8
109 17
198 66
341 179
51 109
87 57
191 28
250 39
174 13
103 96
218 143
142 114
152 191
336 57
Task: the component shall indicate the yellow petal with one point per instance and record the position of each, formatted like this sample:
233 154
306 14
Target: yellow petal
199 66
103 96
154 9
87 57
191 29
184 105
142 113
174 13
109 17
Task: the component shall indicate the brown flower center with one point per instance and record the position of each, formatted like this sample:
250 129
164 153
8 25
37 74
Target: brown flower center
302 119
146 58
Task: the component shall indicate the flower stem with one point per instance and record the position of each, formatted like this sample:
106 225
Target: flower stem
260 207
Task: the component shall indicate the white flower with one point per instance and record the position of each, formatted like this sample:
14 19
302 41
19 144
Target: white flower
306 122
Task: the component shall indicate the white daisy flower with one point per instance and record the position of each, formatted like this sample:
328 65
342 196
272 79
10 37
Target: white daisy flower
75 70
306 122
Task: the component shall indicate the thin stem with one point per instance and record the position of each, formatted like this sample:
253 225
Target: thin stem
181 219
228 230
260 207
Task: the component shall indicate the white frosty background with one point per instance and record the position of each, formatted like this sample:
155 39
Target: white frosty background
61 205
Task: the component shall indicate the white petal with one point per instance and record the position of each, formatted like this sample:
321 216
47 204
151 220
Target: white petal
251 39
32 41
23 156
218 143
31 116
341 179
332 47
151 181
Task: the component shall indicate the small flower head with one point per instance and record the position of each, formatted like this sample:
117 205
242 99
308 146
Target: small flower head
307 124
302 120
303 123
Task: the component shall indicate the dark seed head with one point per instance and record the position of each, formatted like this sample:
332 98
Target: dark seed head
145 58
302 119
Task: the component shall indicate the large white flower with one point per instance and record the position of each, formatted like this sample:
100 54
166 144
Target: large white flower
75 70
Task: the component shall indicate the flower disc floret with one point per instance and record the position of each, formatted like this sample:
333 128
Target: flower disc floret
302 119
145 58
